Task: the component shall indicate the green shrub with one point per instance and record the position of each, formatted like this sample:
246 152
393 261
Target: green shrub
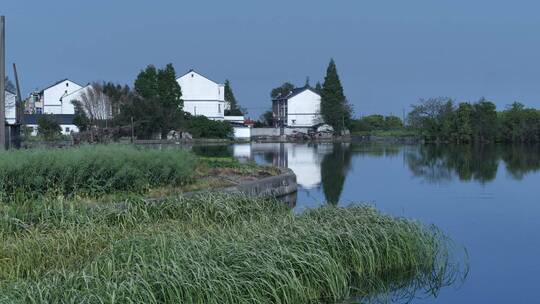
202 127
48 127
91 170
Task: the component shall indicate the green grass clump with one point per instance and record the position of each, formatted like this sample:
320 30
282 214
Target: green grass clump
91 170
211 249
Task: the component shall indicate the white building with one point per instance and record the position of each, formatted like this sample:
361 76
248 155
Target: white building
54 98
10 107
64 120
202 96
298 108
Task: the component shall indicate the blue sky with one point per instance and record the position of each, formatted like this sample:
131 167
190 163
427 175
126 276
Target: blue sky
388 53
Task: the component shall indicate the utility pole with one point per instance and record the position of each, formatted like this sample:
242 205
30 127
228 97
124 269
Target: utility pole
19 111
2 83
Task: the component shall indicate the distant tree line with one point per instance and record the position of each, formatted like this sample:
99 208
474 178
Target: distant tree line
441 120
376 122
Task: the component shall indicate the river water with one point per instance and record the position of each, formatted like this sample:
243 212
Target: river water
485 198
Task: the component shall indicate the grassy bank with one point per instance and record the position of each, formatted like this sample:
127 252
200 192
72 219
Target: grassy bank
91 170
212 249
101 170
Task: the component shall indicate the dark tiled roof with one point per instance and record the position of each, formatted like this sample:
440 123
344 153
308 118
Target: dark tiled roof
192 70
294 92
63 119
59 81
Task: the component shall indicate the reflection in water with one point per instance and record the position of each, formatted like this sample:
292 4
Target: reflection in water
439 163
324 166
497 227
334 168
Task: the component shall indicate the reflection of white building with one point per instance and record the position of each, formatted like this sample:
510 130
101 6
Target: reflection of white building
304 160
305 163
242 151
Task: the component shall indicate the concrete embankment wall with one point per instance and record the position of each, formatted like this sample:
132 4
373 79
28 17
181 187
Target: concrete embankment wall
276 186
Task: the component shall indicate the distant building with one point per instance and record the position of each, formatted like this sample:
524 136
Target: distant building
64 120
54 99
202 96
298 108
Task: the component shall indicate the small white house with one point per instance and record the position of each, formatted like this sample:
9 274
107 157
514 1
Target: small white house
53 99
202 96
298 108
10 107
64 120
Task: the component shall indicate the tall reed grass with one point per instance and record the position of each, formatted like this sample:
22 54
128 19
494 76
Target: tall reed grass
212 249
91 170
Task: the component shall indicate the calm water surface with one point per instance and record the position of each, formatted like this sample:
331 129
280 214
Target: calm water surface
487 199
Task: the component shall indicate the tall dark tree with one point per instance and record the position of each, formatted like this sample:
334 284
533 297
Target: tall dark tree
307 85
234 109
157 105
318 88
334 108
283 89
80 119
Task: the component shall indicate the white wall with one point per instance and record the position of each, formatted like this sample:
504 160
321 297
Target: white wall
65 131
53 101
210 109
202 96
10 107
303 109
242 132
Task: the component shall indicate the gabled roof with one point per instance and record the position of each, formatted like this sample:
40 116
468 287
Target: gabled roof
59 81
63 119
8 91
294 92
193 71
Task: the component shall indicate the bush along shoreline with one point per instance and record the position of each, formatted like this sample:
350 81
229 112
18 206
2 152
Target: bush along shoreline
213 249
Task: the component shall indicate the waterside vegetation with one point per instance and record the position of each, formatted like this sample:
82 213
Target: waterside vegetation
212 249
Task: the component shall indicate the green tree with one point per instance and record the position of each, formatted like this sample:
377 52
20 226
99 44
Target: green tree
282 90
520 124
118 95
318 88
485 123
334 108
233 108
267 119
464 132
80 119
48 127
156 106
392 123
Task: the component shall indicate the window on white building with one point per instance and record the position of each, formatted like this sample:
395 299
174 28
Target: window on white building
67 84
219 108
67 129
